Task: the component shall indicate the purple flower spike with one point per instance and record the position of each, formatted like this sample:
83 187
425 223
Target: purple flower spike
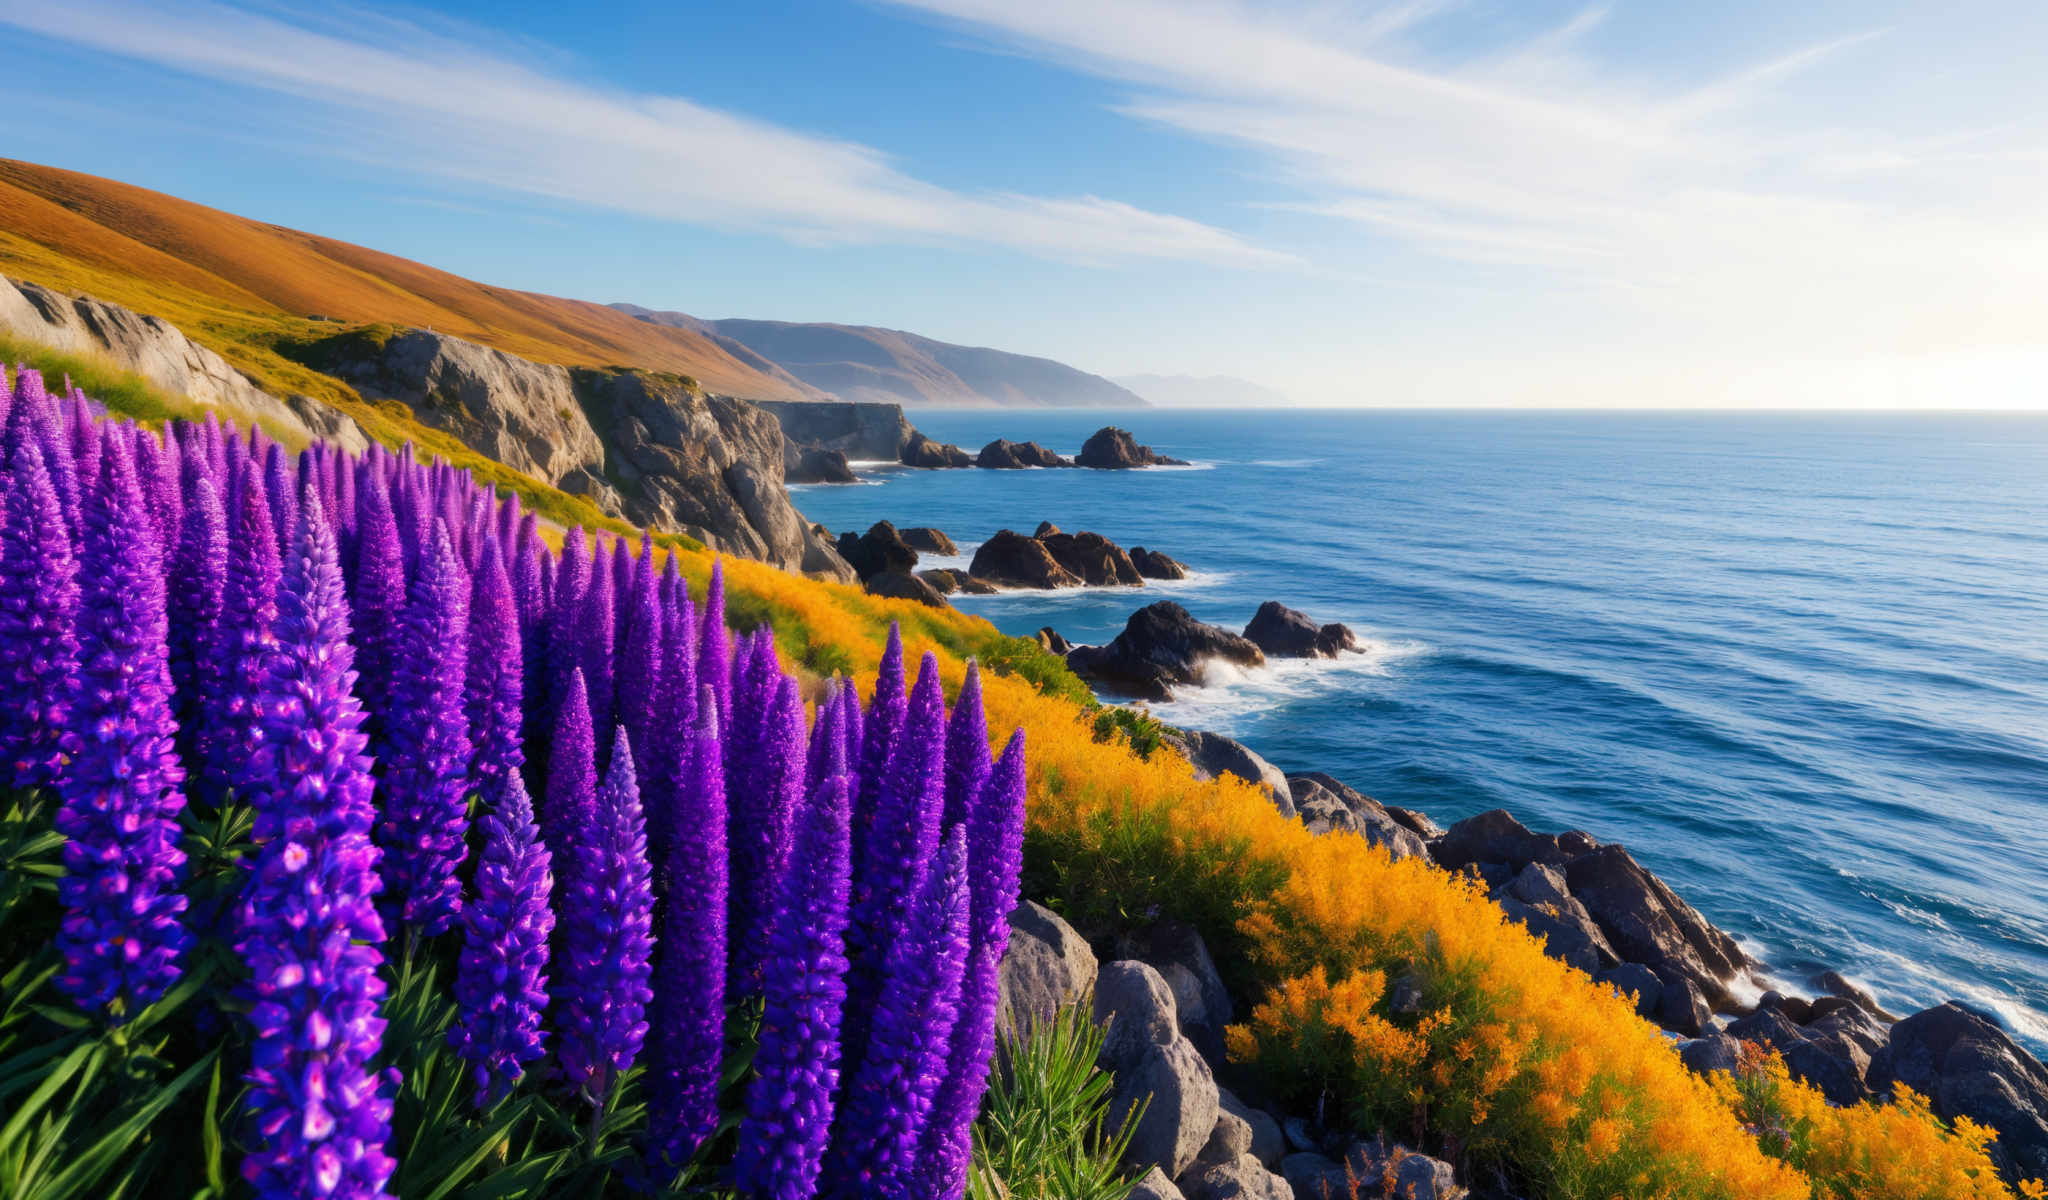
425 792
967 758
379 596
38 615
762 808
198 588
495 688
888 1100
788 1122
676 707
639 666
245 637
501 983
827 753
120 937
995 855
607 930
884 718
595 632
689 985
714 643
310 932
570 804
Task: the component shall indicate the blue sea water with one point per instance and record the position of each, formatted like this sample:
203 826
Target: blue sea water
1797 663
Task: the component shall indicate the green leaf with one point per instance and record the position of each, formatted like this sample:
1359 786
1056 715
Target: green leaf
106 1153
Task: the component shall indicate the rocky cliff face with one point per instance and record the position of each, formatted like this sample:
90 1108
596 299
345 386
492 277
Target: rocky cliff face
152 348
642 445
877 432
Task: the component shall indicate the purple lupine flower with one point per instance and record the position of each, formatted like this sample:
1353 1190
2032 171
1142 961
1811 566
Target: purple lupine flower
878 733
689 983
714 643
495 686
902 834
424 816
379 596
788 1123
676 706
888 1098
995 856
595 630
278 480
198 587
501 982
827 752
245 637
34 417
639 667
569 805
310 933
38 624
761 815
563 645
120 937
607 930
967 758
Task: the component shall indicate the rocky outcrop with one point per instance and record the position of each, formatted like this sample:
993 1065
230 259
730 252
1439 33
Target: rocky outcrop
1098 561
921 451
1153 565
154 349
1967 1066
926 540
1153 1066
881 549
1161 647
1371 1168
900 586
1325 804
1009 559
871 432
1046 967
1283 632
811 464
947 581
1005 455
1212 754
1112 449
1053 640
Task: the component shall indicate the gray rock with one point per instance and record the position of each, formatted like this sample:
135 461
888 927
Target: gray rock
1053 641
1094 559
1495 836
1242 1178
1201 1003
873 432
811 464
926 540
1231 1138
1567 932
1326 803
1313 1176
899 586
1706 1055
1181 1113
1646 922
1268 1144
880 549
1635 979
154 349
1967 1066
1047 967
1836 1067
1136 1011
1834 983
1110 448
1298 1135
1161 647
1154 565
1004 454
1539 884
1283 632
1154 1185
926 454
1684 1009
1212 754
1009 559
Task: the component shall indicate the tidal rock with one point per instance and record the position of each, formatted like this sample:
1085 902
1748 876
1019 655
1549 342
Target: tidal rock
1051 639
921 451
1495 836
1045 529
881 549
1837 1067
1135 1009
1003 454
1284 633
1009 559
1326 804
1092 557
813 464
1241 1178
1706 1055
1110 448
1417 823
1646 922
1047 967
1685 1009
948 580
1154 565
926 540
1639 981
1834 983
1181 1110
1967 1066
899 586
1161 647
1212 754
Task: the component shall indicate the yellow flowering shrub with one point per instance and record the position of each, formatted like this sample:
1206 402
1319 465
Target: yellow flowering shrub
1500 1055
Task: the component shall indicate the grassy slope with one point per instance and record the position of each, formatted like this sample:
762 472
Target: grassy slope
1529 1067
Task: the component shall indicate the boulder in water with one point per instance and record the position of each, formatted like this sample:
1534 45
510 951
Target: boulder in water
926 540
1162 646
1009 559
1283 632
921 451
1006 455
1112 449
1154 565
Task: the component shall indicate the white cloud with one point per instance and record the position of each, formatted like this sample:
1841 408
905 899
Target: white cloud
442 103
1741 211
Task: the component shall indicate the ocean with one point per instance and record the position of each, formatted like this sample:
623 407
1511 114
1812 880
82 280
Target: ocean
1797 663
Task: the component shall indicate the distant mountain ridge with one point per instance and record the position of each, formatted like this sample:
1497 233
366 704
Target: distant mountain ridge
1211 391
865 363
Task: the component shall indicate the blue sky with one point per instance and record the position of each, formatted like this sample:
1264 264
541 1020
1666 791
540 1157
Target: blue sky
1419 202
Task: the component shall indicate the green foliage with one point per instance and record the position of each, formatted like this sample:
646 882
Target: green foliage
1132 727
1037 666
1043 1134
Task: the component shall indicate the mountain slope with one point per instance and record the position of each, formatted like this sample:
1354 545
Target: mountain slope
244 279
861 362
1211 391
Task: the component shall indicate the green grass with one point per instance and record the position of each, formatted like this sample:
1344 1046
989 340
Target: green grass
1044 1128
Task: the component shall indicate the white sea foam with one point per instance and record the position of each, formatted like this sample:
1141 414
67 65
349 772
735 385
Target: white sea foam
1288 464
1230 695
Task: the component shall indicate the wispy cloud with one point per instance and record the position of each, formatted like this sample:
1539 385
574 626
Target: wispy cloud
437 102
1728 201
